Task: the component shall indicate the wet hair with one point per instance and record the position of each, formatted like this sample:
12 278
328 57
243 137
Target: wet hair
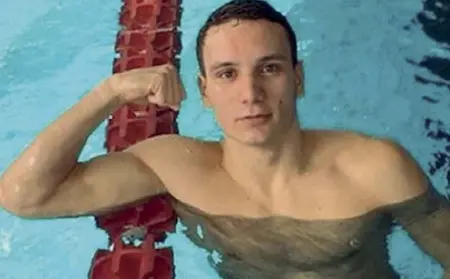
244 10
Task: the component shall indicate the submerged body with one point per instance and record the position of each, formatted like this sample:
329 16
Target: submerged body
289 248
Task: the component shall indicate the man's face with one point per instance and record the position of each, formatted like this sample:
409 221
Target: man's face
249 80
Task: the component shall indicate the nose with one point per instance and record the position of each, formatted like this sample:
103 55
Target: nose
251 89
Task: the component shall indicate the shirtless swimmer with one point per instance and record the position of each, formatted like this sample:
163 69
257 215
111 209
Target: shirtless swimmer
275 200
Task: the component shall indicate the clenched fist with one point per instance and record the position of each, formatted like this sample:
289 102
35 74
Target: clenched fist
159 85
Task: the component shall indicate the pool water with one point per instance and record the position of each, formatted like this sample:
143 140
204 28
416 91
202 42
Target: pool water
381 67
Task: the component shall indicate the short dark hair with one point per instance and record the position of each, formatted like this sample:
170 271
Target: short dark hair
244 10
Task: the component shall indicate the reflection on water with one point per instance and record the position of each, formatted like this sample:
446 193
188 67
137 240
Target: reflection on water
434 20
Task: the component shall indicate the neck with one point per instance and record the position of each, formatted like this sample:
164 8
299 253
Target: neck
268 165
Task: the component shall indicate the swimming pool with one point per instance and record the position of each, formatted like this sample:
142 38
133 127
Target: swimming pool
358 77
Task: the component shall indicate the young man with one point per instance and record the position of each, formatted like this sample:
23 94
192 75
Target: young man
275 200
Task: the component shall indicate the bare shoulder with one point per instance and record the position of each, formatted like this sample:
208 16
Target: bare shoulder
382 166
176 158
175 149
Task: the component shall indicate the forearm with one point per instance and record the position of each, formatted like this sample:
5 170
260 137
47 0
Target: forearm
49 159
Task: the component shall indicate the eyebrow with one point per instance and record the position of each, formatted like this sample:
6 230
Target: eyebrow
271 57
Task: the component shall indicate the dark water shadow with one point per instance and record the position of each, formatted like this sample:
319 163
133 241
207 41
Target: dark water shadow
434 20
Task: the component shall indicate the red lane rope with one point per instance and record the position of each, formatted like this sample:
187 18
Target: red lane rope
149 37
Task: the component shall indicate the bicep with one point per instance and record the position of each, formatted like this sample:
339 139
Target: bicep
100 185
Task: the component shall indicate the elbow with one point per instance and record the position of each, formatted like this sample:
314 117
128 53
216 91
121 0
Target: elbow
18 210
16 204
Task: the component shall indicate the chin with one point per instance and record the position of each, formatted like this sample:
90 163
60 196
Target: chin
255 138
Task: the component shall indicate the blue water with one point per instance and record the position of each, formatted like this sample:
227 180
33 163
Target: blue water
370 66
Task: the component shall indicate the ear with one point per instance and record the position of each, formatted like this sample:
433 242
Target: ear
300 78
201 82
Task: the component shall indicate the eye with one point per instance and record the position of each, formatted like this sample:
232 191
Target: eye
270 69
226 74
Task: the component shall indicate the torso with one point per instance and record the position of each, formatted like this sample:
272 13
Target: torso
324 225
283 247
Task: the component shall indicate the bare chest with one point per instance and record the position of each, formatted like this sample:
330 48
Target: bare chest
281 243
322 196
313 225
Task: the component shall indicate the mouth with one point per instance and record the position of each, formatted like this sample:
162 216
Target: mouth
260 118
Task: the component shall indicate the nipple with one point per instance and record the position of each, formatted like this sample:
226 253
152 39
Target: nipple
355 243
